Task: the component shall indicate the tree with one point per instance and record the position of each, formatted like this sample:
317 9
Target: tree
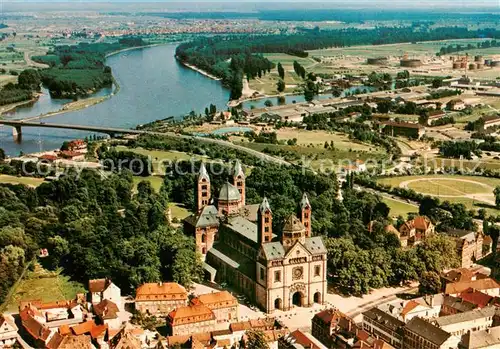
2 155
384 106
497 196
29 79
437 82
493 231
256 340
268 103
281 71
280 85
430 283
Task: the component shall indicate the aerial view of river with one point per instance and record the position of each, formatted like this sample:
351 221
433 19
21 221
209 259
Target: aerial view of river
153 85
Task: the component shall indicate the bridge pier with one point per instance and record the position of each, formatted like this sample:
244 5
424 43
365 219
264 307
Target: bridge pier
17 134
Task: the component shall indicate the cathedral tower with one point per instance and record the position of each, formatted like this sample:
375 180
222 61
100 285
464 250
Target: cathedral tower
203 188
305 214
239 181
265 222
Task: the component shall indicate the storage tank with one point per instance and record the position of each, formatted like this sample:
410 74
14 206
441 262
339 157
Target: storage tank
456 65
411 63
478 59
472 66
377 61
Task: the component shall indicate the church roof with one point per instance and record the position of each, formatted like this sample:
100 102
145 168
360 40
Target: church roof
315 245
243 227
229 192
292 223
273 250
203 173
206 218
233 258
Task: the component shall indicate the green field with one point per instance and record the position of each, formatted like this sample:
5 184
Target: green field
399 208
43 285
155 181
159 156
395 49
33 182
491 164
476 194
178 211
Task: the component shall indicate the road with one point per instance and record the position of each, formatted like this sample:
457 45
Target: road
31 63
113 131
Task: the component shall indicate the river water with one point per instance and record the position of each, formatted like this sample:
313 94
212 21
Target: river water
153 85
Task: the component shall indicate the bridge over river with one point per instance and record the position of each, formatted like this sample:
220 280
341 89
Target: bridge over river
18 125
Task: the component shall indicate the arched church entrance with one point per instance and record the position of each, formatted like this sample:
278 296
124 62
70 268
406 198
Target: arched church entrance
317 297
298 299
278 304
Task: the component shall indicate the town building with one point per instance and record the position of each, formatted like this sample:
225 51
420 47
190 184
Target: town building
456 105
107 312
297 340
455 305
223 304
191 319
489 338
160 299
415 230
462 323
406 129
462 275
241 249
469 246
384 326
333 328
8 331
487 285
101 289
421 334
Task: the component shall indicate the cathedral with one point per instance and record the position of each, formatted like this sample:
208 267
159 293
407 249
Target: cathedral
274 270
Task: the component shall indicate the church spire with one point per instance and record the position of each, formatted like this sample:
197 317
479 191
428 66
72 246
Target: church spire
203 188
265 222
305 213
239 182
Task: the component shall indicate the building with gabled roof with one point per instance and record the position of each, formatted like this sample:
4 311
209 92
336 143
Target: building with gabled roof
191 319
489 338
415 230
384 326
223 304
487 285
461 323
275 271
160 298
101 289
332 327
8 331
421 334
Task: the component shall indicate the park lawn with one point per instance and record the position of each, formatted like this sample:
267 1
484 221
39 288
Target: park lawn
267 84
179 211
156 182
159 156
43 285
399 208
396 181
318 138
490 164
29 181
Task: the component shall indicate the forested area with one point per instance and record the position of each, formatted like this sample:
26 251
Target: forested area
458 48
78 70
93 227
234 56
28 82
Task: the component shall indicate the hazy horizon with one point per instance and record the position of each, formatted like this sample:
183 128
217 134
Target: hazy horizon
231 5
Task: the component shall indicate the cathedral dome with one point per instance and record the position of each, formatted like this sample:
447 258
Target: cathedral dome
229 192
293 224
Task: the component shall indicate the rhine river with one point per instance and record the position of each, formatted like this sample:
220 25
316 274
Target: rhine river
153 86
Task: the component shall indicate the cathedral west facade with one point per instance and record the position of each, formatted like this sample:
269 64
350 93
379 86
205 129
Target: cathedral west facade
275 270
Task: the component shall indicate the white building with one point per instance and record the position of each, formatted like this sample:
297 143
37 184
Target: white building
8 331
462 323
101 289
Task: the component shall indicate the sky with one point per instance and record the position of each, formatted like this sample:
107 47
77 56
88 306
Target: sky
249 5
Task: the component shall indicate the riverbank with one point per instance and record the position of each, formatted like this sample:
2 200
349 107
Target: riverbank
196 69
11 107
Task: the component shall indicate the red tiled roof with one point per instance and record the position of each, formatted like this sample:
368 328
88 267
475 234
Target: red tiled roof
34 328
161 291
98 285
83 328
191 314
106 310
302 339
476 297
409 307
480 284
422 222
330 316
